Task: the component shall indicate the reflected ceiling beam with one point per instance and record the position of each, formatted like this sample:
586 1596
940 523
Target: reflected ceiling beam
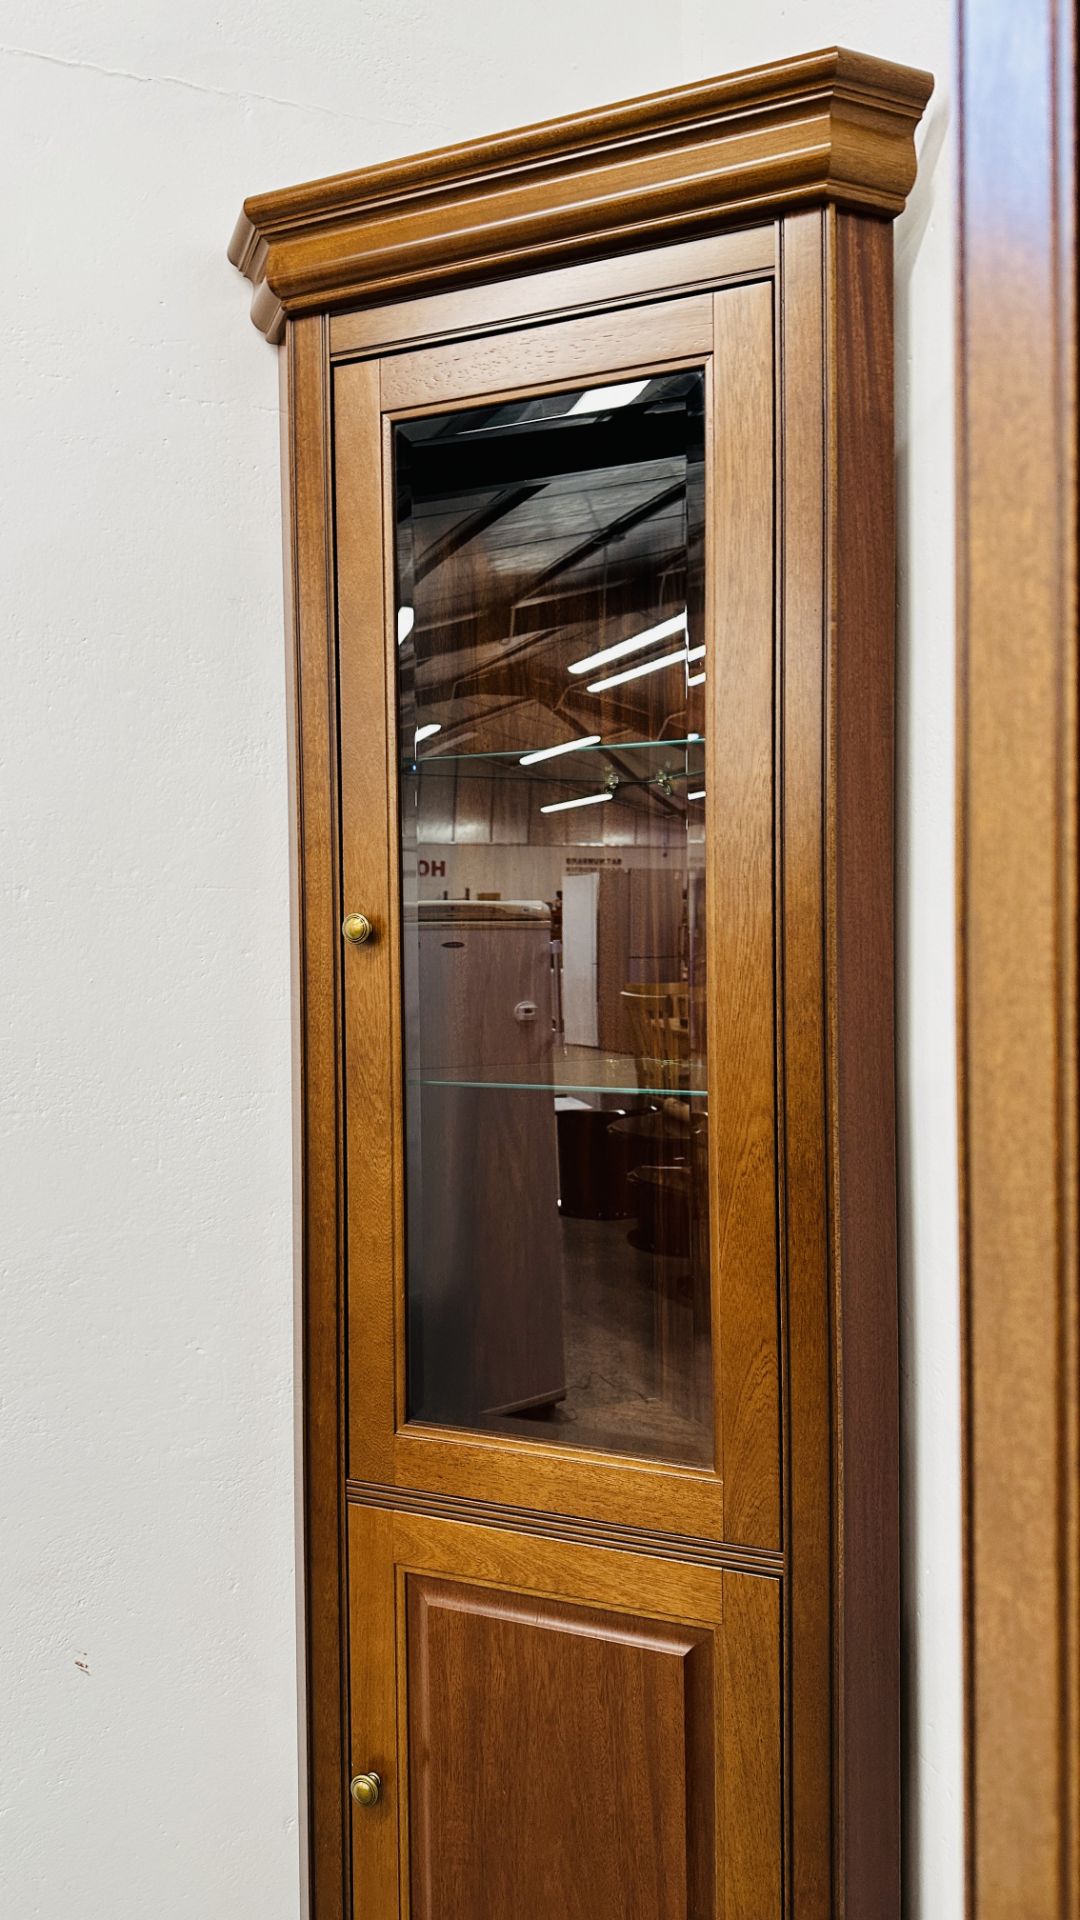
614 530
495 619
546 450
474 524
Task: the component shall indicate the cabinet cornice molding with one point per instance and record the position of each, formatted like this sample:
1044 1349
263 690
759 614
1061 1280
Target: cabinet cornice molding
831 126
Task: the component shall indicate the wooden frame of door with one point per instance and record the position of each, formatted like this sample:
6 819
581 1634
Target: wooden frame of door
379 262
1019 767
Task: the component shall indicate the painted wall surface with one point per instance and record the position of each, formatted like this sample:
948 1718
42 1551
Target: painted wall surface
148 1610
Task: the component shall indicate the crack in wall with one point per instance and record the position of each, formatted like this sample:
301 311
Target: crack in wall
201 86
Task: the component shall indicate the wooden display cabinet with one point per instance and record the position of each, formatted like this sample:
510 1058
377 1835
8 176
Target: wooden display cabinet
591 576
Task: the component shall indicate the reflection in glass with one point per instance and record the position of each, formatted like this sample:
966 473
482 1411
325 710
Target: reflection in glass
551 668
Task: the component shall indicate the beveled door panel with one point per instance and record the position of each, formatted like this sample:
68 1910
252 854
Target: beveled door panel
618 1357
558 1754
571 1730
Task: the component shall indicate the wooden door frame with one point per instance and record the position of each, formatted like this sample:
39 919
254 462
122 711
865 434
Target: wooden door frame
1018 770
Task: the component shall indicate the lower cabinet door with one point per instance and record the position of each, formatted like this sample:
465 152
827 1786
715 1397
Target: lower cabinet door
561 1730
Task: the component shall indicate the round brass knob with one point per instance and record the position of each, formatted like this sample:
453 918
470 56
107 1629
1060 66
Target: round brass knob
357 928
365 1789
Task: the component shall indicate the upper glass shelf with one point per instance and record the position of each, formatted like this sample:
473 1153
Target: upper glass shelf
519 755
602 745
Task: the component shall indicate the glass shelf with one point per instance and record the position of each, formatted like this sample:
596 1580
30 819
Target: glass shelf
415 761
559 1087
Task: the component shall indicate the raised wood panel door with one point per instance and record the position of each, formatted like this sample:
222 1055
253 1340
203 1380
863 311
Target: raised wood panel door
561 1729
559 1751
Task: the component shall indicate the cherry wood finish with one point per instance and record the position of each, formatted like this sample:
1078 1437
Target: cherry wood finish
775 1568
829 126
1019 774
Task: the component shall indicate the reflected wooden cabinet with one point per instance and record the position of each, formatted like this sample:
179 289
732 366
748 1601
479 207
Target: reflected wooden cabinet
591 572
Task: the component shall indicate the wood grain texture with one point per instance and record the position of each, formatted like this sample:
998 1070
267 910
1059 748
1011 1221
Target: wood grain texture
321 1129
555 292
368 779
837 966
859 956
546 1698
739 906
751 1771
373 1692
1017 902
831 125
612 1488
564 1526
804 1243
566 353
561 1759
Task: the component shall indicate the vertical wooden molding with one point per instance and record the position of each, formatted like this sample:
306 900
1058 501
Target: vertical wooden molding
836 707
804 1252
740 910
860 673
1017 906
309 575
750 1735
366 752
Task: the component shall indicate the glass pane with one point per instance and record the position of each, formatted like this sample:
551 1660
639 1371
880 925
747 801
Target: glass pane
551 710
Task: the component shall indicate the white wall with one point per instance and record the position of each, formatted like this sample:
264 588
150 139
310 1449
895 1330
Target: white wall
147 1569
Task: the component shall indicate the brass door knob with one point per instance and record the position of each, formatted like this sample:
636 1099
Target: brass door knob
365 1789
357 928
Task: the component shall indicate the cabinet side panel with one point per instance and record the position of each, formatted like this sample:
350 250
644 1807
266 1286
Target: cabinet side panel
316 749
863 1179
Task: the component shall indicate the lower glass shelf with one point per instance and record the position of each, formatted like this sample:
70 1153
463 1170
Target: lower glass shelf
559 1087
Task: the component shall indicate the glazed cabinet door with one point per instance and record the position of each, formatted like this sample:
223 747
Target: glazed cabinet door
557 671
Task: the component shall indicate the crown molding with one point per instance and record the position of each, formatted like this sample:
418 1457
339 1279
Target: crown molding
827 126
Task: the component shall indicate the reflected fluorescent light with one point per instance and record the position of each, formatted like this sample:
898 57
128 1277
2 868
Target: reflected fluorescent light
406 621
565 746
695 679
693 736
425 733
698 795
602 399
586 800
651 666
634 644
